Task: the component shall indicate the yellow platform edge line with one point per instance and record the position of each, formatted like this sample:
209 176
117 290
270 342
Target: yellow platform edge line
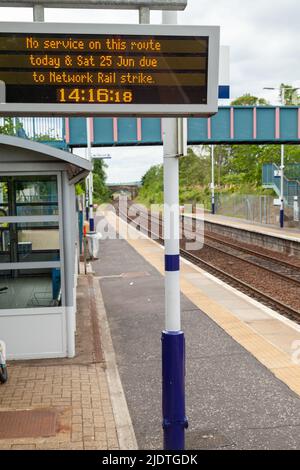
276 361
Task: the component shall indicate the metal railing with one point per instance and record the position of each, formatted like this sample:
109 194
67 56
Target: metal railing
292 171
271 179
41 129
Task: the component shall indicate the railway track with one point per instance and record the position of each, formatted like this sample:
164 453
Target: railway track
290 270
252 291
283 269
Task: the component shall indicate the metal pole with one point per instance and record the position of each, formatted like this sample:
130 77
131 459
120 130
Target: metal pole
90 209
87 198
173 341
38 13
144 15
213 179
2 92
296 209
282 188
68 203
284 90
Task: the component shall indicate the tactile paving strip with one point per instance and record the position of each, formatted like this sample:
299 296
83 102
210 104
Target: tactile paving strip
27 423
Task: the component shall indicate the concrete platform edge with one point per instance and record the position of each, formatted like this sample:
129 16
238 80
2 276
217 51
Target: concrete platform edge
125 431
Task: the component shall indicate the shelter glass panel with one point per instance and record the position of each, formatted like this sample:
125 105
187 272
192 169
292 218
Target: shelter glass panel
28 195
30 288
29 242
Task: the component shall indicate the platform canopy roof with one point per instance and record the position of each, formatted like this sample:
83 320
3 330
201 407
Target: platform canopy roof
78 167
100 4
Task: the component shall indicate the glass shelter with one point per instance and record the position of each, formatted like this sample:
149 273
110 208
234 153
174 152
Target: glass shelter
38 248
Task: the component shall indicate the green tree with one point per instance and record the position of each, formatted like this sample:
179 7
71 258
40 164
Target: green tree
243 165
289 95
46 138
193 178
101 191
10 127
151 191
249 100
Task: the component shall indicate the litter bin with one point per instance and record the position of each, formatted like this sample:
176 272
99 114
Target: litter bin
93 243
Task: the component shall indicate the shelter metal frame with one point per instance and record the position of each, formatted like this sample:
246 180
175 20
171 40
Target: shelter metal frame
171 5
24 219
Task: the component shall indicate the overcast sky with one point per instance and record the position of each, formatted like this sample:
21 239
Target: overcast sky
264 37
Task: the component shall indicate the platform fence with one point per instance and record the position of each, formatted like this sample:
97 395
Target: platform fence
254 208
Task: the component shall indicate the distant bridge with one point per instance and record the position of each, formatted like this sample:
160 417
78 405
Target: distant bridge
231 125
131 188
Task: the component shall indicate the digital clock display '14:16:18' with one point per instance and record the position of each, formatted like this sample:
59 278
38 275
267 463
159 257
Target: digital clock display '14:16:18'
94 95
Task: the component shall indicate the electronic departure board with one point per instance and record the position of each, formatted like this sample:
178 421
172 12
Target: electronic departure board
108 69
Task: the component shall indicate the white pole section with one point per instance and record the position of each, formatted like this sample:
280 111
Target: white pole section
282 188
171 213
171 225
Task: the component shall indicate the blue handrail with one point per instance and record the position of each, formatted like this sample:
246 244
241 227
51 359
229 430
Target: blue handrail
271 180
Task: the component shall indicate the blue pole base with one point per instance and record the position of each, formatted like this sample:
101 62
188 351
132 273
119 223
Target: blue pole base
213 209
87 212
173 390
281 218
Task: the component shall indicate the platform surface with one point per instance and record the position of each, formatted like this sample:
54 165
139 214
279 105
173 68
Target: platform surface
242 387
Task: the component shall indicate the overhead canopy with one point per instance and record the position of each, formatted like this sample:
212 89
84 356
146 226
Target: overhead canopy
100 4
77 167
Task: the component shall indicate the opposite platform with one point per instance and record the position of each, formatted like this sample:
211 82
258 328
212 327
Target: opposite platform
291 234
286 240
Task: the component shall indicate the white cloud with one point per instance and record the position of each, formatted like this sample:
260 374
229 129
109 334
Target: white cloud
127 164
264 37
